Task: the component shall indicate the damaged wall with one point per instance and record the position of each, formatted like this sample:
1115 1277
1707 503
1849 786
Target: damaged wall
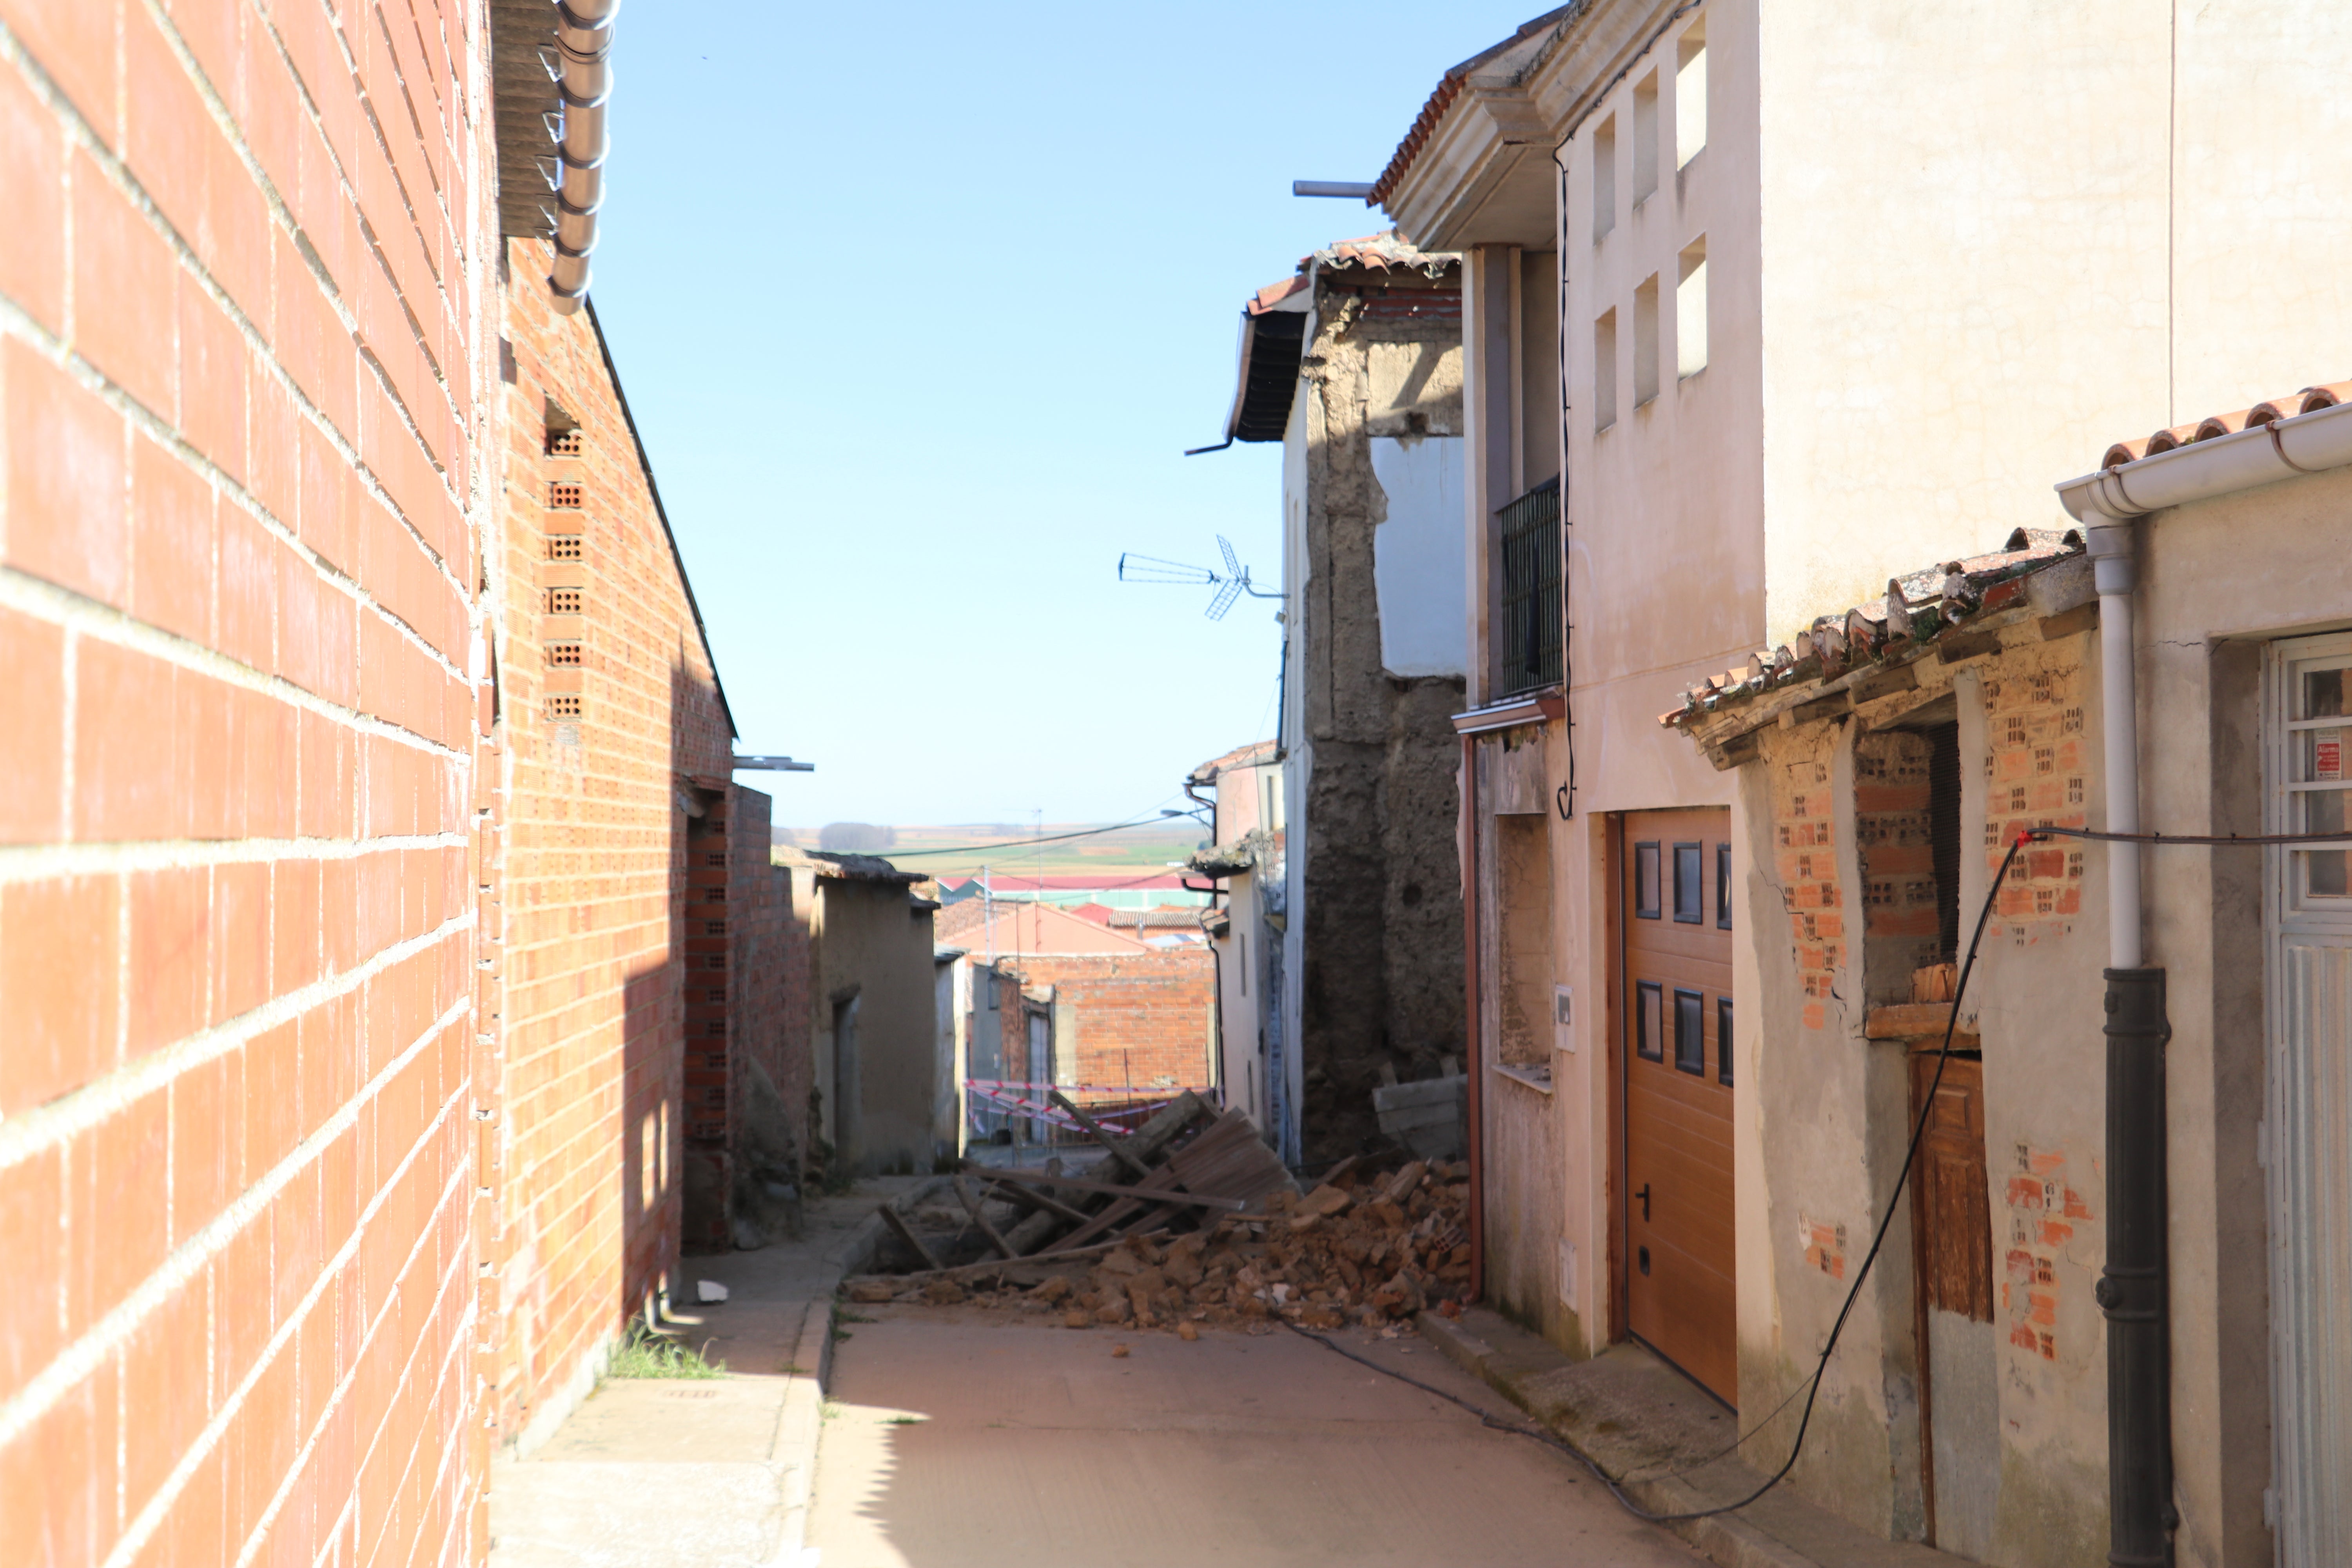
1374 919
2014 1409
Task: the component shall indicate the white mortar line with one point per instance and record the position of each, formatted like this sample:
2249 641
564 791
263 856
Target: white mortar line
79 133
100 623
78 1361
34 862
450 1279
50 1125
135 1534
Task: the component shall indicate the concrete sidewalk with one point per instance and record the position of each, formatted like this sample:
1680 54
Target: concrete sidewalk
714 1472
1638 1418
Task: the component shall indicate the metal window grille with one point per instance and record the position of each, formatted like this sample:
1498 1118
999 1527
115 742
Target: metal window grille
564 601
1527 649
565 547
563 493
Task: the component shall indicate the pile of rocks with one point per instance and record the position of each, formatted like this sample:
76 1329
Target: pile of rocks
1361 1248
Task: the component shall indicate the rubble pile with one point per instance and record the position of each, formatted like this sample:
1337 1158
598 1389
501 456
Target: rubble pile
1370 1247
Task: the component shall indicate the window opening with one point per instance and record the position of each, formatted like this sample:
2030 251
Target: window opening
1530 650
1690 1032
1690 890
1604 371
2319 723
1645 881
1944 835
1604 178
1723 887
1690 94
1645 138
1649 1021
1645 341
1722 1039
1690 309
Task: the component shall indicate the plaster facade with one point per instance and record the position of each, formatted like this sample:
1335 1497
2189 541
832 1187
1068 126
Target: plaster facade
1928 326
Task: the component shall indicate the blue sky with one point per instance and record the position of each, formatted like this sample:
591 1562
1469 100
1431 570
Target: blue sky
918 307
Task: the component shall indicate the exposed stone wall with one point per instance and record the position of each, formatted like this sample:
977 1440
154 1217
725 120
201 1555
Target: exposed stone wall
1381 905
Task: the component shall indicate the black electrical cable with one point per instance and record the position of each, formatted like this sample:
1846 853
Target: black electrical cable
1813 1383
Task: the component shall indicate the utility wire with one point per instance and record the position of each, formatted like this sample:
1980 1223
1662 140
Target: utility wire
1018 843
1811 1387
1812 1384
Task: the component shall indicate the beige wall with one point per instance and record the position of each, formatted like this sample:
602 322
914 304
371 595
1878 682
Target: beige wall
868 941
2219 582
1996 237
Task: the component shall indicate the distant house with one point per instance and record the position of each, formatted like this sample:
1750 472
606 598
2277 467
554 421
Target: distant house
1049 999
868 989
1255 1057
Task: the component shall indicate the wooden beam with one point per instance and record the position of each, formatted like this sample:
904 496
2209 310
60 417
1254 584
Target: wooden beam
898 1222
971 1205
1042 1265
1013 1192
1119 1149
1154 1194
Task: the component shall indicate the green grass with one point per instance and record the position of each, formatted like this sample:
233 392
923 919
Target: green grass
647 1355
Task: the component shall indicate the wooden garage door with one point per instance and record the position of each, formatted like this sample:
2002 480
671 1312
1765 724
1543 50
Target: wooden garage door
1677 921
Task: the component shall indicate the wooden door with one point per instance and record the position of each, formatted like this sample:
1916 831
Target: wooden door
1675 888
1951 1231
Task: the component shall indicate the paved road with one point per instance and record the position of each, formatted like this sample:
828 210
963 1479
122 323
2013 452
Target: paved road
957 1438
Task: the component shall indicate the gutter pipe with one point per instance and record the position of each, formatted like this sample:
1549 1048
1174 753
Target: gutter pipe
584 41
2135 1289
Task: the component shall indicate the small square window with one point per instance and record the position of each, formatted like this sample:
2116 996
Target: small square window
564 547
1645 881
563 494
1690 889
1690 1032
564 601
1649 1021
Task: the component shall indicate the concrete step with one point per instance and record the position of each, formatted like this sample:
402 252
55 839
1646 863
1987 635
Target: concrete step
1633 1416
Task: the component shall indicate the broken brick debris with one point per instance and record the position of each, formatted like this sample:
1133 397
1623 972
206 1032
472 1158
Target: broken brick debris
1369 1247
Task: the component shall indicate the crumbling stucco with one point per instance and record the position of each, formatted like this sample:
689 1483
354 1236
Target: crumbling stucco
1374 755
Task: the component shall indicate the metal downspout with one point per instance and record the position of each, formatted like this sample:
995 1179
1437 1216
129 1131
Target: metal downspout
2133 1290
1474 1052
584 41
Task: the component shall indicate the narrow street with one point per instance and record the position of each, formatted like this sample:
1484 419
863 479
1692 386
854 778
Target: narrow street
956 1439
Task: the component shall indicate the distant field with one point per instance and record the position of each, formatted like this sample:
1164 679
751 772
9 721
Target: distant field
1007 847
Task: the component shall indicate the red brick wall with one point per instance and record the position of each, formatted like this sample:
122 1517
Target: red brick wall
606 881
239 362
1142 1018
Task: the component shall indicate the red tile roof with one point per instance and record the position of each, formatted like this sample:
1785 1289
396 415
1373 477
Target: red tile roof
1257 754
1917 613
2310 400
1449 88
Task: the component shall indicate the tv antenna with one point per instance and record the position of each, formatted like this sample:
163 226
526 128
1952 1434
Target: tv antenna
1230 584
